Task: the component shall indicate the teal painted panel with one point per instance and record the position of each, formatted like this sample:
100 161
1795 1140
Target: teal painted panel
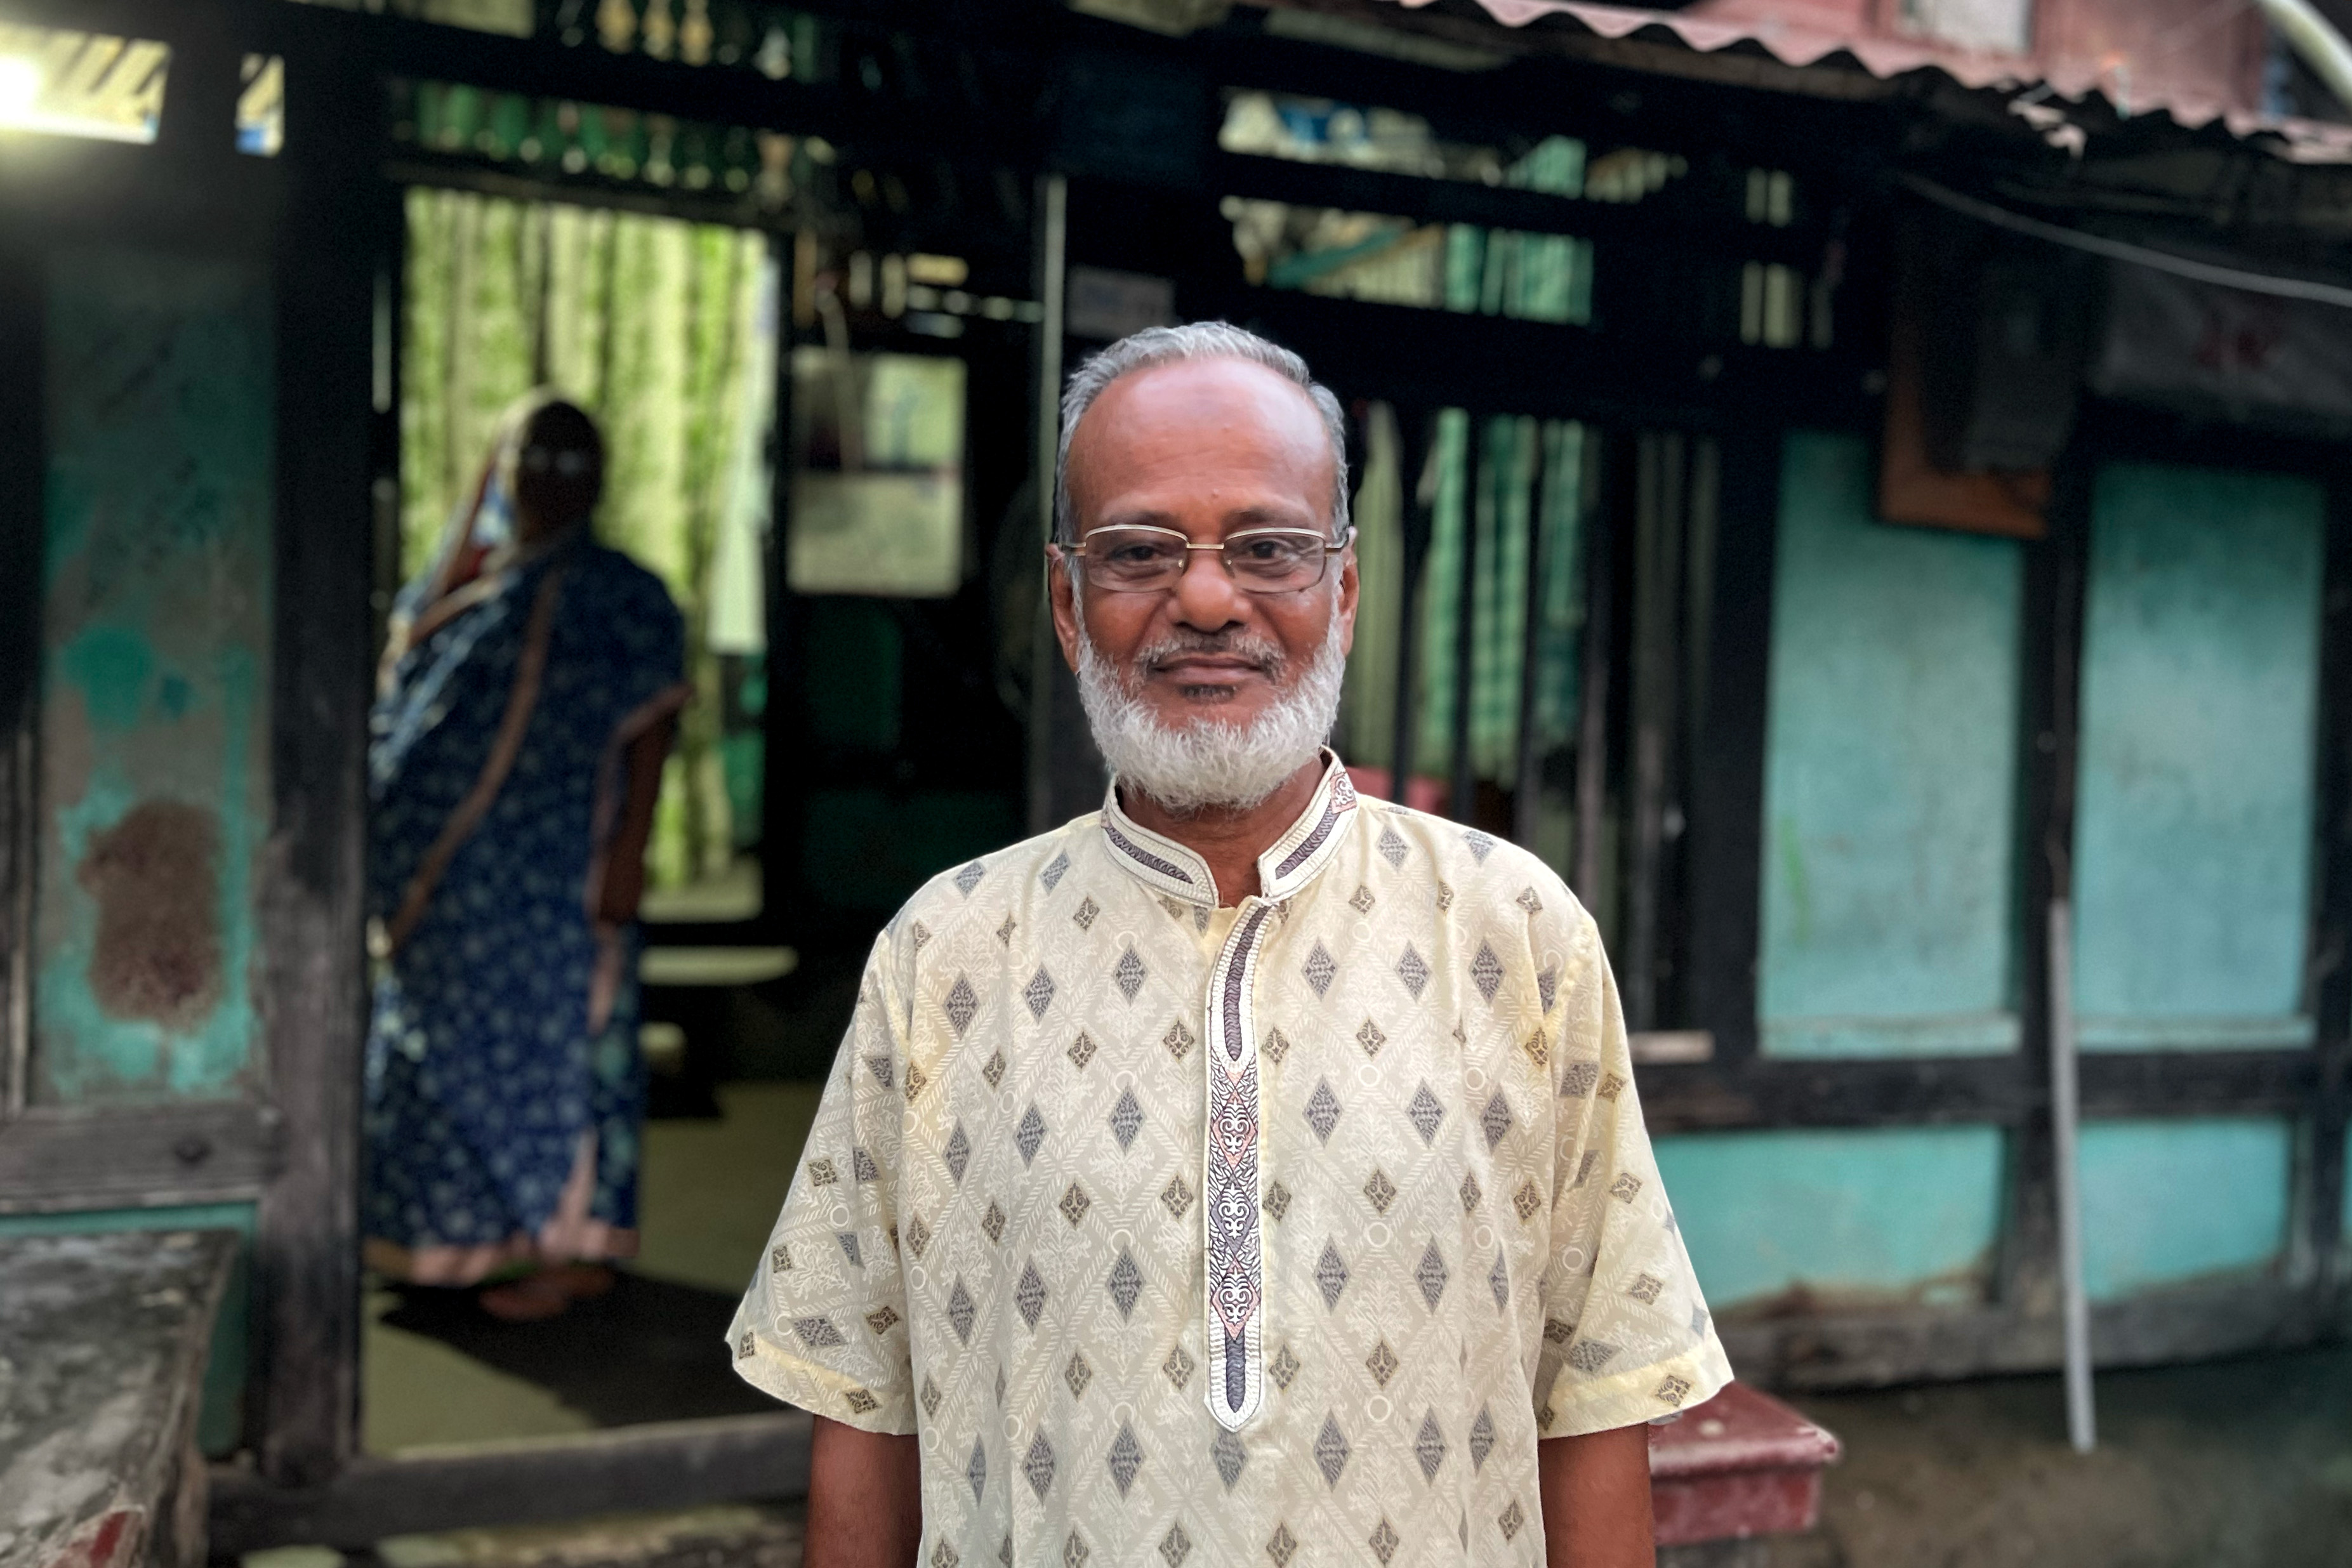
2193 809
220 1425
2171 1201
154 681
1866 1216
1890 776
870 849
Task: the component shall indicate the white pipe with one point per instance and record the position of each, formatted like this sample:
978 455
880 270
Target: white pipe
2315 38
2065 1116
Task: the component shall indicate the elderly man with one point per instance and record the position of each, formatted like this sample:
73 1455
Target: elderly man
1248 1171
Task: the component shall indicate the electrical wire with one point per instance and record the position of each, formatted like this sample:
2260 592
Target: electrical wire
2123 250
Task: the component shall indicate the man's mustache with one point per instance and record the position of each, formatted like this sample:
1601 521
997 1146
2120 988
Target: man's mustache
1262 653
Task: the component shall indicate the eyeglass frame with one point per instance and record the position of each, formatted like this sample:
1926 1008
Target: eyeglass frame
1075 553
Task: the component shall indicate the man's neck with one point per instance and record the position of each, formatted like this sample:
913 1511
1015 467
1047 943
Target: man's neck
1231 841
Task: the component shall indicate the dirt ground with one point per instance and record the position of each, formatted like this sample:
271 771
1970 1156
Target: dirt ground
2238 1464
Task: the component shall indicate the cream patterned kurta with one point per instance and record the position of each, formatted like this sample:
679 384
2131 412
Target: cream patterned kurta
1278 1233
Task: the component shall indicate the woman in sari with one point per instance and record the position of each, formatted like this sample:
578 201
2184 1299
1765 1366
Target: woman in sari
529 696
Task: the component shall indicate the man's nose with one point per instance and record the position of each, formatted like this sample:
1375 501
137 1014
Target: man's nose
1206 599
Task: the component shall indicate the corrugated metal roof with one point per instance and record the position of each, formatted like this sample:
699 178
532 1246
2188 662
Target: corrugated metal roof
2196 61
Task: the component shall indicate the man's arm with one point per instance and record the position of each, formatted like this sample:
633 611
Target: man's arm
1596 1500
865 1502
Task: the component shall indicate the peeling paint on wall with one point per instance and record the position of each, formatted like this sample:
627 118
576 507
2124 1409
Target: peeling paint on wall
156 626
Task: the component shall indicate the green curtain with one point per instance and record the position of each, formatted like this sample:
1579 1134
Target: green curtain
1497 519
663 331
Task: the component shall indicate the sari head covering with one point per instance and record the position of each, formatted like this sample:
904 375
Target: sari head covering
504 1088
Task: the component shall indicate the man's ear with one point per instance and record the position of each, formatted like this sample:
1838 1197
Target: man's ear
1062 593
1350 588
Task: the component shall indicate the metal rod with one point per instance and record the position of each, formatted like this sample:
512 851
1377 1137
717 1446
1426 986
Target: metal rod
1053 234
2082 1422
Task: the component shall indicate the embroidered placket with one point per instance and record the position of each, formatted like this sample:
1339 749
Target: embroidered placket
1231 1212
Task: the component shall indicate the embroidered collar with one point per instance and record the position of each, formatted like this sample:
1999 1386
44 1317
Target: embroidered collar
1295 858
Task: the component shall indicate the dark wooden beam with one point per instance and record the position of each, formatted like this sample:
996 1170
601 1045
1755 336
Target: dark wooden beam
1863 1349
1664 220
314 986
671 1464
21 451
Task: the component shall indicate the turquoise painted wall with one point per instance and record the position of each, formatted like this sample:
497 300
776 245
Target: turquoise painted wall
1867 1216
2193 813
154 680
2166 1202
222 1420
1890 776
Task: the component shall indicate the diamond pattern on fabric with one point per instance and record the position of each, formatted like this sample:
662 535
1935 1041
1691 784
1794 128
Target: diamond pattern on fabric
1029 1295
1331 1450
849 1248
1004 931
1039 992
881 1318
969 878
962 1005
1323 1110
1225 1451
1074 1204
975 1470
1030 1134
1037 1466
1125 1283
1429 1446
961 1310
1528 901
1512 1520
1284 1367
1486 971
1526 1201
1371 1038
1495 1120
1361 900
1392 847
1385 1540
1469 1193
1126 1459
1056 870
880 1067
992 1224
1577 1081
1588 1355
1431 1274
1175 1546
1320 969
1382 1364
1331 1273
1414 970
1482 1438
1077 1375
1547 987
1281 1546
1499 1279
1178 1367
1278 1200
1128 974
1178 1040
1274 1047
1480 845
1126 1119
1082 1050
1176 1196
1084 914
818 1334
945 1556
1426 1111
1379 1191
993 1068
919 1236
1074 1552
862 1166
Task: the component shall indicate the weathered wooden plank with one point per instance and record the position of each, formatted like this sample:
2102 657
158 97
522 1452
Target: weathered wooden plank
671 1465
105 1337
207 1152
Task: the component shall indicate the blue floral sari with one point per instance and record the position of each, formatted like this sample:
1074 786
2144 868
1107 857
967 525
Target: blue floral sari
504 1088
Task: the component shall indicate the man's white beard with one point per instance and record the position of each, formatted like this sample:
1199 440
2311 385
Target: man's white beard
1209 763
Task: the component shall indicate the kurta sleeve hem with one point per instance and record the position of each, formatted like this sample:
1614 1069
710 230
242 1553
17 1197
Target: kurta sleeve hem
1576 1405
821 1391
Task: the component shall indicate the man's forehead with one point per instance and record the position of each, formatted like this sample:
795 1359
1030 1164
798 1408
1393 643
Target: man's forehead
1167 415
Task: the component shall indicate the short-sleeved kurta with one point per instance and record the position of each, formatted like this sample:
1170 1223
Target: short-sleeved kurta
1273 1233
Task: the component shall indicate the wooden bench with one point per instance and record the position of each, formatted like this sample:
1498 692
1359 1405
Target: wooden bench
1740 1466
103 1342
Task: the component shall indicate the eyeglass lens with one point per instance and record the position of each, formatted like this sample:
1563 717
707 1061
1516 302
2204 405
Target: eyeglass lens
1273 561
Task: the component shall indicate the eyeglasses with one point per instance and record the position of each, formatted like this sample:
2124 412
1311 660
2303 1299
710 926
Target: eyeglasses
570 464
1140 560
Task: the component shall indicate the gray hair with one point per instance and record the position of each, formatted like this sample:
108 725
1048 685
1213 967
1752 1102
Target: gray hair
1156 346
